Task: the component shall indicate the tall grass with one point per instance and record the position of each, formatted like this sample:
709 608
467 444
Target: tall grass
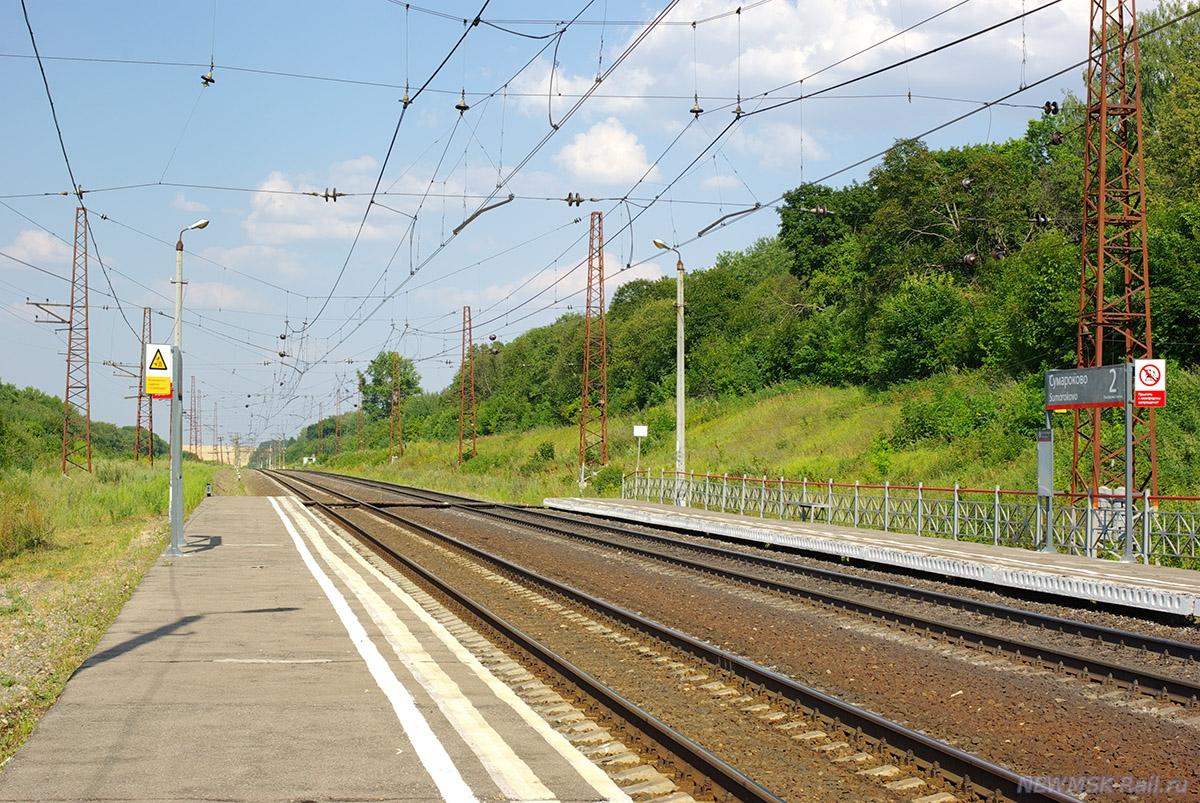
972 428
36 504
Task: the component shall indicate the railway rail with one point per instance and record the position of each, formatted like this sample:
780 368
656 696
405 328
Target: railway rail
1090 668
968 775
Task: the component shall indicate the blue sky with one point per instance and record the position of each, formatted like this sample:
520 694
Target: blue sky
266 265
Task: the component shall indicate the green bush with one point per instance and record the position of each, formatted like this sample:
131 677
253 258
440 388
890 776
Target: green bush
24 524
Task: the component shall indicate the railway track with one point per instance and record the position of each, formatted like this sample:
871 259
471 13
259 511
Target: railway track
968 776
779 576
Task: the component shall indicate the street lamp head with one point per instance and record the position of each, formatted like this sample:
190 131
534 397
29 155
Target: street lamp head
662 245
199 224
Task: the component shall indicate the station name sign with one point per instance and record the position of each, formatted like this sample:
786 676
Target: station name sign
1078 388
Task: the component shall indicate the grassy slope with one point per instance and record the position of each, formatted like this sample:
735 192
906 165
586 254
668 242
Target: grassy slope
963 428
104 532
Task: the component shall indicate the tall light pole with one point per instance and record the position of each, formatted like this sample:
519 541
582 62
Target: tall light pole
680 457
176 504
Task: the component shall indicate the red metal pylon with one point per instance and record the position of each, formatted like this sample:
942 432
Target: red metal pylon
77 401
192 416
466 388
396 432
1114 285
337 421
216 435
145 405
593 400
362 434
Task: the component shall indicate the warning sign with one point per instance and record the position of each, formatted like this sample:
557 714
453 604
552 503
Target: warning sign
158 361
1150 383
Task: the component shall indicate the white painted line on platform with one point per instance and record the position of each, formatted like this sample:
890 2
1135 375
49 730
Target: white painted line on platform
272 660
429 749
510 772
593 775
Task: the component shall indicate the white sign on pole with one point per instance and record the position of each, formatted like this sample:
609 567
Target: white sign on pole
159 362
640 430
1150 383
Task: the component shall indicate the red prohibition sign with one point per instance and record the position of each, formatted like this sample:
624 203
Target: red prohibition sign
1150 375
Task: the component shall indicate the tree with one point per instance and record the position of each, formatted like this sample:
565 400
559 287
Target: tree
377 383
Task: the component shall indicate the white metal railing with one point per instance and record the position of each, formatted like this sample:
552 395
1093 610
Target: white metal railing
1167 528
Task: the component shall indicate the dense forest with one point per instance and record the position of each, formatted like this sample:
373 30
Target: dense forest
960 259
31 431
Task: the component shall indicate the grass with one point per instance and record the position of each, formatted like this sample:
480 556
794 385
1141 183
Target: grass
970 428
96 536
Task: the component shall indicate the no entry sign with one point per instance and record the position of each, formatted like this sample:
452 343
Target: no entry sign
1150 383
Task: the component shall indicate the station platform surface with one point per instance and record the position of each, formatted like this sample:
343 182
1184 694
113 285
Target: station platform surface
275 662
1133 585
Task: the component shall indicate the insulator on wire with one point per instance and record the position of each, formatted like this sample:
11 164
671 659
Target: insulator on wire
966 183
207 79
462 102
696 110
1056 138
574 199
1041 219
492 337
820 211
969 260
1050 107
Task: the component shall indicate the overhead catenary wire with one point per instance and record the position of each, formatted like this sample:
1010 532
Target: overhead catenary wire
387 157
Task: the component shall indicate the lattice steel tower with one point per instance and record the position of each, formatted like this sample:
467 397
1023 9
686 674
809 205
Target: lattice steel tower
1114 285
466 388
144 430
396 429
77 401
593 400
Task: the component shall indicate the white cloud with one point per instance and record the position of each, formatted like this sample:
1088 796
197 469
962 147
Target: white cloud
278 217
557 283
180 202
779 144
220 294
607 152
259 260
39 247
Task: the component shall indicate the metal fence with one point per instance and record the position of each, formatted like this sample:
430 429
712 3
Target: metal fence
1166 528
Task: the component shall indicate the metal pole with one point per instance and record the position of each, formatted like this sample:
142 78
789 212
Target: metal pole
680 455
1146 524
1128 464
956 511
920 512
638 467
996 516
176 483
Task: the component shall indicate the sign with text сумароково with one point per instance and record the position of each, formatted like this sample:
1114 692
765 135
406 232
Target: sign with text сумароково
1075 388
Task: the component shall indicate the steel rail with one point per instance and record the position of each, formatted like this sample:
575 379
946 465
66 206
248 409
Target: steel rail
966 772
1083 666
735 783
1152 644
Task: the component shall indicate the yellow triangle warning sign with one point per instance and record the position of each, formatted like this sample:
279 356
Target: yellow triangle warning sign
158 363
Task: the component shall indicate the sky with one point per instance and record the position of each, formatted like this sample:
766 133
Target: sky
289 294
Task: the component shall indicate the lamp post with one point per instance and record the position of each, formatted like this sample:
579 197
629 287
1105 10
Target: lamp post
680 455
176 493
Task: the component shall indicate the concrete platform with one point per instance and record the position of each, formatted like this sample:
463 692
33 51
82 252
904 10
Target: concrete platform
274 662
1154 588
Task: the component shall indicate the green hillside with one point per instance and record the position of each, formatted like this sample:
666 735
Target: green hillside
31 430
898 326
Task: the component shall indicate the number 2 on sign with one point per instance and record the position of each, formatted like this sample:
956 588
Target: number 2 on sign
1112 388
